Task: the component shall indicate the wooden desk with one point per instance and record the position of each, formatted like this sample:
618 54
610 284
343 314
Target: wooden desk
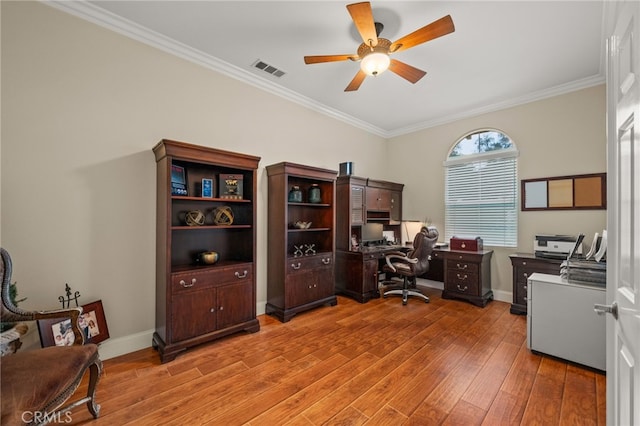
466 275
357 272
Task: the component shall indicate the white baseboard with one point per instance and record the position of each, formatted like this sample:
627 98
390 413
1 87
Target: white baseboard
112 348
502 296
431 284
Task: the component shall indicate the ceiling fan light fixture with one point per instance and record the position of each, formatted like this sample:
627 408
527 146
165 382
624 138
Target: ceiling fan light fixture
375 63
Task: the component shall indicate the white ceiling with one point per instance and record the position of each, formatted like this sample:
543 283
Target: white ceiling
502 53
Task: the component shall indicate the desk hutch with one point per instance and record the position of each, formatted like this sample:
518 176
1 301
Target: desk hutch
359 201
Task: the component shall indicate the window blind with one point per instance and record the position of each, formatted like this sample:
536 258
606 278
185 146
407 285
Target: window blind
481 200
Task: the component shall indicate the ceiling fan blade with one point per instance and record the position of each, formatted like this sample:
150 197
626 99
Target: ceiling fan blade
327 58
356 82
363 19
442 26
406 71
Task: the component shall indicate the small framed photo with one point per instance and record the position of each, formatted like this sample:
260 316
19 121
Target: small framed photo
178 180
54 332
231 186
207 188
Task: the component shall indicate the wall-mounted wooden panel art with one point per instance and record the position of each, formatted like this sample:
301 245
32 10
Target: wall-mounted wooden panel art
577 192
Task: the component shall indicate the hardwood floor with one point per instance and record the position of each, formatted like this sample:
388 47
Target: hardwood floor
447 362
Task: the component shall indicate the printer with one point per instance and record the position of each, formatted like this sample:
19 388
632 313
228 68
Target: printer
555 246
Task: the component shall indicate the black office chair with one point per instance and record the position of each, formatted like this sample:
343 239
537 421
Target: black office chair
410 265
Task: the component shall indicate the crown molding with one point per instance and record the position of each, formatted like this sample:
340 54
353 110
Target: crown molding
510 103
106 19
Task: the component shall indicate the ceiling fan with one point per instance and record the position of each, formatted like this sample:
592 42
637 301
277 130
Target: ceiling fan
374 52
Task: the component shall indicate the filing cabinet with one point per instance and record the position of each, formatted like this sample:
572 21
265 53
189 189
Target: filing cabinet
467 276
524 265
358 277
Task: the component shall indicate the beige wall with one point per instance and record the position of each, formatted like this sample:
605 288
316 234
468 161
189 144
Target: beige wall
558 136
82 107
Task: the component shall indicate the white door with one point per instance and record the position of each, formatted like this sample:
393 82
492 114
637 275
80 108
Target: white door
623 216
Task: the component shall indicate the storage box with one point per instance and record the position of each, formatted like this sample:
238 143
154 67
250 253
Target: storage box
465 243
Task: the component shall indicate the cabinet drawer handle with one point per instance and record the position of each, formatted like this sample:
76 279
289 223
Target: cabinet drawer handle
463 266
294 266
212 310
184 284
463 277
462 289
524 263
313 286
326 261
221 308
244 274
525 287
526 276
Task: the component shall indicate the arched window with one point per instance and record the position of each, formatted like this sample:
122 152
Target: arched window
481 191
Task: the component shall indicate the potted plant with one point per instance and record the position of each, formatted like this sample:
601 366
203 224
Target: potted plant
13 298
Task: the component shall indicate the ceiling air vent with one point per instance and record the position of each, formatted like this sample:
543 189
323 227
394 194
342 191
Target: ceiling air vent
269 69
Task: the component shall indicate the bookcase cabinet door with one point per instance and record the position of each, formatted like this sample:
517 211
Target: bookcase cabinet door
193 314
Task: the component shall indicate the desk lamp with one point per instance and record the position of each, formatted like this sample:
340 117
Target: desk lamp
411 227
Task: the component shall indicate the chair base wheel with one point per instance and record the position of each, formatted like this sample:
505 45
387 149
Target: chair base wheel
405 293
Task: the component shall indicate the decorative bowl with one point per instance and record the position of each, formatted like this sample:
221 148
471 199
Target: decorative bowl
209 257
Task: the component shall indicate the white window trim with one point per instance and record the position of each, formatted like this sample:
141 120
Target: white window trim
485 156
501 154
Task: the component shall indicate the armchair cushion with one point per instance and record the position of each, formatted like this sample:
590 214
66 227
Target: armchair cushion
38 380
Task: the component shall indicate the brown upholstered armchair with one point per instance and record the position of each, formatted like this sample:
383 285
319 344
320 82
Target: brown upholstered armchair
37 383
410 265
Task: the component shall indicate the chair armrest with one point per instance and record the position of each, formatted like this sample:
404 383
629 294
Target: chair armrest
71 313
399 256
396 254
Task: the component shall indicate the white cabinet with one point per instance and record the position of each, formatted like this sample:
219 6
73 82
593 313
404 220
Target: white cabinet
561 321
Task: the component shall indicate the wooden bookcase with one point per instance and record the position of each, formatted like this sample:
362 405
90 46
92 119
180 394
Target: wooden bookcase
300 261
195 302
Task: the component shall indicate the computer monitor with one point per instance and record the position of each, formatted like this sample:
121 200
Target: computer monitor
371 232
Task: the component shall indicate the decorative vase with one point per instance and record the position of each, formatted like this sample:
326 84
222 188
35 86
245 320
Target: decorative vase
295 194
315 195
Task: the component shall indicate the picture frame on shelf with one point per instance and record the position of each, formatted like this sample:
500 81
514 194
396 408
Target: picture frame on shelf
231 186
207 188
178 180
92 322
